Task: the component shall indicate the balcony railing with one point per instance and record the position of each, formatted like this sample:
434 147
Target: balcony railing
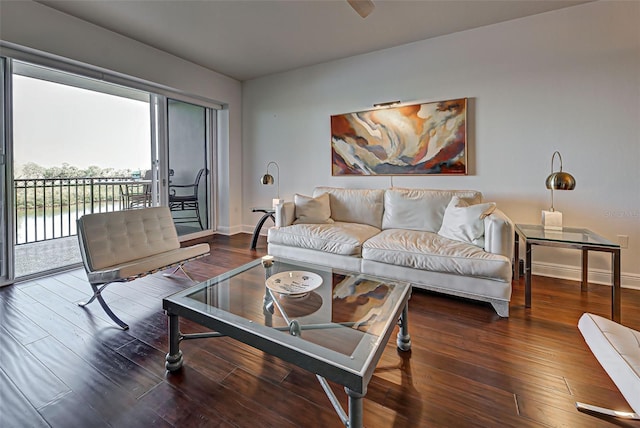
48 208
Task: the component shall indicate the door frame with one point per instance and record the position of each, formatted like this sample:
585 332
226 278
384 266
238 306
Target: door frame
211 124
7 269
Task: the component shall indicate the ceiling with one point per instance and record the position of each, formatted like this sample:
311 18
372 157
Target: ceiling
247 39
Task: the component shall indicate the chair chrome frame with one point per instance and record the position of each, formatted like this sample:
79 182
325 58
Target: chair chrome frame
614 346
589 408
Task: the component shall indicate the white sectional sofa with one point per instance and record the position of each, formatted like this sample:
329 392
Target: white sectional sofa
447 241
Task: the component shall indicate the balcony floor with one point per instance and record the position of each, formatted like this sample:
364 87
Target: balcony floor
42 256
36 257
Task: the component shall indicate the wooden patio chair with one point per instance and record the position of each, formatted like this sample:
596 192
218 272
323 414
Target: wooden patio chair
184 197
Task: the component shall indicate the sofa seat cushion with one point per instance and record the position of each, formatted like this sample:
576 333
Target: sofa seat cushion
431 252
337 238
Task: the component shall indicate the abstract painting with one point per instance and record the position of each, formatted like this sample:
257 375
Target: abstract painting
428 138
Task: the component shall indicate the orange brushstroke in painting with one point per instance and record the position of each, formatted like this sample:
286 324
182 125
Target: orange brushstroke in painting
417 139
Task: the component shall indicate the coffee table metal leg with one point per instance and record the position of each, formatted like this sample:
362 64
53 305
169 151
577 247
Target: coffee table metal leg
174 357
404 339
355 408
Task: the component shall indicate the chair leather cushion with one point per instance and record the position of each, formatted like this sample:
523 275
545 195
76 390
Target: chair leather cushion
147 265
617 349
111 239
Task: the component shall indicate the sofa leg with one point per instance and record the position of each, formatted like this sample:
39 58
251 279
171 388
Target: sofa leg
501 307
588 408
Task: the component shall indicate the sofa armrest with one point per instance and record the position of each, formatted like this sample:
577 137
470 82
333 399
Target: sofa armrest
285 214
499 234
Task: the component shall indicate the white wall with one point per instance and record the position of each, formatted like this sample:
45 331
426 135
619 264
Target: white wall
567 80
36 26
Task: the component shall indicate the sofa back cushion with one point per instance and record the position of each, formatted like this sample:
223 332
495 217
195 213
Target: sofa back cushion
312 210
421 209
355 205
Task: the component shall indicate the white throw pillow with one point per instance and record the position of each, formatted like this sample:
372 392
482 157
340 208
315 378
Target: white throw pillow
464 222
312 210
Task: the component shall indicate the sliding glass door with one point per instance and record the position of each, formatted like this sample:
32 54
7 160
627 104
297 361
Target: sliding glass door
76 143
190 130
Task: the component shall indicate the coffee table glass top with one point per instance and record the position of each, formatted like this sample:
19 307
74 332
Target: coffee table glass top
566 235
346 320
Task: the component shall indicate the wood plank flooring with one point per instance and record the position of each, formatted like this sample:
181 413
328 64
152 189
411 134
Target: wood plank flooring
64 366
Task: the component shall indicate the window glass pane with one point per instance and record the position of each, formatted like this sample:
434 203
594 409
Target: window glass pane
75 147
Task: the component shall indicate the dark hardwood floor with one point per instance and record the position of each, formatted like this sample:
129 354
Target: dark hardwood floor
64 366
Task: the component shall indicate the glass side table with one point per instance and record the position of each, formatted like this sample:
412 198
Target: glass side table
268 213
579 239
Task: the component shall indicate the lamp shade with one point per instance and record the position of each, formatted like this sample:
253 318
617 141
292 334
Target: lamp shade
561 181
267 179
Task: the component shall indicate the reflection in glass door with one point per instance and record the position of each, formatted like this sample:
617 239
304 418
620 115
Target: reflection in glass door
190 137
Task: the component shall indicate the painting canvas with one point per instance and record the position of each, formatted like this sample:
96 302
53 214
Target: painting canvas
428 138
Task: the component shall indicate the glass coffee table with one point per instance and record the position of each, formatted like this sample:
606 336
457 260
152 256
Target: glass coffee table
333 323
568 237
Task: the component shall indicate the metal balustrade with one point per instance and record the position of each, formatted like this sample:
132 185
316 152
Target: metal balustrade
47 208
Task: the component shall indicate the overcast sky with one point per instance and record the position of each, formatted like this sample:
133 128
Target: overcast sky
54 123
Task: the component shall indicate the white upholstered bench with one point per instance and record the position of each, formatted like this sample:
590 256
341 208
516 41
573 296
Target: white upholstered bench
617 349
122 246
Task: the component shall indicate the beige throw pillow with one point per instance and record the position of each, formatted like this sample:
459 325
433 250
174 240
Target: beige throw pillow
464 222
312 210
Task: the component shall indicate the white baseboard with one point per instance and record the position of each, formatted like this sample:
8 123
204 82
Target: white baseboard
222 230
573 273
249 229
